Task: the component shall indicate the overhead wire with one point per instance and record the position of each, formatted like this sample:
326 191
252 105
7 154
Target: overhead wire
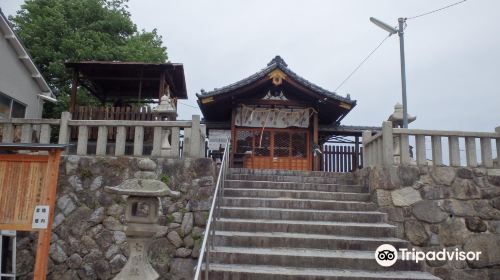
362 62
380 44
187 105
437 10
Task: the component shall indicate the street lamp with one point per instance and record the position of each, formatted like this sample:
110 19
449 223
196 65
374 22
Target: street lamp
400 31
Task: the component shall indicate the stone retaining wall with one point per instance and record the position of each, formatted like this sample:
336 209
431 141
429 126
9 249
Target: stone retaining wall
443 207
88 240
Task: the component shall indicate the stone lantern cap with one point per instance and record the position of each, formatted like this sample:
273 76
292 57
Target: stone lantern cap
166 106
144 184
141 187
397 116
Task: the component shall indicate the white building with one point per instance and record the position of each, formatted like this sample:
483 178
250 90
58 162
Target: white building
23 90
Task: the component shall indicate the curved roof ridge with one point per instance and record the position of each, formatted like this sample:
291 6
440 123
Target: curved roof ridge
276 62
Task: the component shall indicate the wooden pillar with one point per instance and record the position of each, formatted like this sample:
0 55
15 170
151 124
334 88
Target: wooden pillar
315 141
355 162
74 88
161 91
49 197
233 138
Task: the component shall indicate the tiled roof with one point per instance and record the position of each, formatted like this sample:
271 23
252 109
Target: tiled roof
276 63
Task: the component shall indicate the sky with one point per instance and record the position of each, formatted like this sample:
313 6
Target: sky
452 56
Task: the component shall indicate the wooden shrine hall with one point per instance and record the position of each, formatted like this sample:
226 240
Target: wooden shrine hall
276 118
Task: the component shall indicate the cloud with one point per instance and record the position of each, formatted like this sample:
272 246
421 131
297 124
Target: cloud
452 56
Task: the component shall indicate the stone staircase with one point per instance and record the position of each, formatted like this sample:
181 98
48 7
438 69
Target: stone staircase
302 225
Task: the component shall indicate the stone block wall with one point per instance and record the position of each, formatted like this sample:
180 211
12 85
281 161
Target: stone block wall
88 239
443 207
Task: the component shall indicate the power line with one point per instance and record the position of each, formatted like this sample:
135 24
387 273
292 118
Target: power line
362 62
187 105
440 9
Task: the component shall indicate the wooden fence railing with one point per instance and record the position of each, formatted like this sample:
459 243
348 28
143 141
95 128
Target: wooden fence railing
164 140
341 158
392 146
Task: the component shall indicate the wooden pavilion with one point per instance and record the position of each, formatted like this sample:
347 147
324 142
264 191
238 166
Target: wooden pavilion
277 119
126 91
122 84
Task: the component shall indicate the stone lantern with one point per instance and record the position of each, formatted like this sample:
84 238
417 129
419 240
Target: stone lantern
397 121
397 117
142 213
166 111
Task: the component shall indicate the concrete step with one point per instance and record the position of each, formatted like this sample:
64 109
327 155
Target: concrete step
281 172
295 186
308 227
295 203
307 258
301 240
348 180
266 272
302 194
303 214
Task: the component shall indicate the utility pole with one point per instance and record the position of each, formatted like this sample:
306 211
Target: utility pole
400 31
403 69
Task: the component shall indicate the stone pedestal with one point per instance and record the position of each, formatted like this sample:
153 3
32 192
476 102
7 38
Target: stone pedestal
397 121
138 266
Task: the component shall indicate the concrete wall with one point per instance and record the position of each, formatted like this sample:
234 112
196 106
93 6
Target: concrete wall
443 207
16 81
88 240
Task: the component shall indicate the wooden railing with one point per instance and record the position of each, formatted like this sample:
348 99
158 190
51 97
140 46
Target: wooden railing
341 158
165 140
392 146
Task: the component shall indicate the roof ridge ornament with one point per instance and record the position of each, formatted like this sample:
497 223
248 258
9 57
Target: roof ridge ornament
277 60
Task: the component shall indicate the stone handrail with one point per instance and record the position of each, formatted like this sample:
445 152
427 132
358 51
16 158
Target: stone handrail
392 146
193 146
27 126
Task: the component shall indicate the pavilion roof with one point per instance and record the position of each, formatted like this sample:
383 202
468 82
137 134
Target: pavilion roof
113 80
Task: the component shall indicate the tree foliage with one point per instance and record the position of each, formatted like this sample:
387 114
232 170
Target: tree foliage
57 31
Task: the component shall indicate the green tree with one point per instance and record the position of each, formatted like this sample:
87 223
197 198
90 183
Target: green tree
57 31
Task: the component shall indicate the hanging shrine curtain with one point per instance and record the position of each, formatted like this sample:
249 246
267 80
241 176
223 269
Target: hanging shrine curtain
272 117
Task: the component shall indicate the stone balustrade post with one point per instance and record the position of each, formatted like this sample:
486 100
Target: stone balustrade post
26 133
64 130
366 150
437 151
470 151
83 137
421 156
102 140
8 133
138 140
194 144
486 157
175 142
387 144
404 149
497 130
454 151
45 131
203 135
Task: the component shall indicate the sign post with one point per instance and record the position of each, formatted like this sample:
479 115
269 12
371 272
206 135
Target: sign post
28 185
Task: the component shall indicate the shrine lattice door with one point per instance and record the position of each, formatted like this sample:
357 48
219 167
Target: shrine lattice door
273 149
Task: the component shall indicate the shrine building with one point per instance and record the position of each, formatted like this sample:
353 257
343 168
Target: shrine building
277 119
